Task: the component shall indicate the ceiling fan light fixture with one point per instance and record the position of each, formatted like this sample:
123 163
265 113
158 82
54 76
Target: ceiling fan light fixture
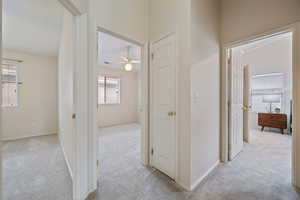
128 67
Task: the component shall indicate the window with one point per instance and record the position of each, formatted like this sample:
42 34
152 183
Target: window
268 91
108 90
260 105
9 85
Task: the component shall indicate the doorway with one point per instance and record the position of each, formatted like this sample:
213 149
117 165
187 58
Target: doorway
127 151
45 132
36 119
163 138
122 111
260 104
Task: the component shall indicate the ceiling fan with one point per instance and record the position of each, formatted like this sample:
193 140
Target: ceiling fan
128 61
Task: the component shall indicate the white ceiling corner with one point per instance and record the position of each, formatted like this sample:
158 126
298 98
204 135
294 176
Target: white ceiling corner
32 26
252 46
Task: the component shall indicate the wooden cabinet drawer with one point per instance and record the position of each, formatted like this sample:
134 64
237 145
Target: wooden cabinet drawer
275 124
275 117
272 120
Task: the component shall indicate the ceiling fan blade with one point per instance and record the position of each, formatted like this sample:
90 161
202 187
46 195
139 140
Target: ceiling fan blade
125 59
110 63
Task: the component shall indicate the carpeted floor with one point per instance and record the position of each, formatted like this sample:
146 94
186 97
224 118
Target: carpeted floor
122 175
35 169
261 172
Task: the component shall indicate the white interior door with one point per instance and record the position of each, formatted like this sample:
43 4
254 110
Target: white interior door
163 104
247 102
236 103
66 90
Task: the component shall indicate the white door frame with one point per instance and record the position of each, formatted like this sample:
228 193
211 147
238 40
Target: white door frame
295 29
1 179
246 118
145 91
174 33
84 178
84 181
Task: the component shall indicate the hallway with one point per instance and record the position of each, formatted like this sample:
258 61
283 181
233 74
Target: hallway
122 175
261 171
35 169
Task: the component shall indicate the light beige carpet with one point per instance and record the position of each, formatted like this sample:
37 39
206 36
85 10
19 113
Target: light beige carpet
261 172
35 169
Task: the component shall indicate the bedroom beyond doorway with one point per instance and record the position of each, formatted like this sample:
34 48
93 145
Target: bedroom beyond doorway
261 103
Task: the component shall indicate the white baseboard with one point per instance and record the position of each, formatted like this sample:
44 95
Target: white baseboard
118 124
26 137
196 183
183 186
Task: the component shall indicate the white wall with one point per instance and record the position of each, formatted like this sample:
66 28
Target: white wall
275 56
128 18
241 19
36 113
174 16
197 26
66 89
205 88
127 110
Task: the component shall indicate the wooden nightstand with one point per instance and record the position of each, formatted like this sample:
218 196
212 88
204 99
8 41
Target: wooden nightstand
272 120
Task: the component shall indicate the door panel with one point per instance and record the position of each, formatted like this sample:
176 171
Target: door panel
66 74
236 104
247 102
163 86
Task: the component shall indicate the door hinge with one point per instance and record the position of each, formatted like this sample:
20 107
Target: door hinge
97 163
152 56
152 152
229 61
229 57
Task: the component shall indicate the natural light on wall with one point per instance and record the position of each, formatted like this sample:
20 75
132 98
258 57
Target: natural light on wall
9 84
109 90
267 92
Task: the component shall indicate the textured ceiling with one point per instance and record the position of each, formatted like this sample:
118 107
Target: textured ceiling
32 26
